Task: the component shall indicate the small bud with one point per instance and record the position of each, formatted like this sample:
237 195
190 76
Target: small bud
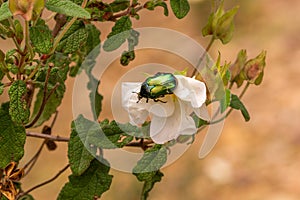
220 24
26 8
254 68
225 26
239 64
237 67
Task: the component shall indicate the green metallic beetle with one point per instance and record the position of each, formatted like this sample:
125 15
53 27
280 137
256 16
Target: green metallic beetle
157 86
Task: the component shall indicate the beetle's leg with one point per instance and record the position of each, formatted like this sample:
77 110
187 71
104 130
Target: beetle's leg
158 100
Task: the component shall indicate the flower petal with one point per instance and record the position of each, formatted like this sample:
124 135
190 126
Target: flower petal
190 89
138 112
179 123
202 112
187 124
163 109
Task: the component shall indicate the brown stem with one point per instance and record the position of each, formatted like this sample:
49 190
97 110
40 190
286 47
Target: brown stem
45 182
127 12
44 101
49 137
33 160
142 144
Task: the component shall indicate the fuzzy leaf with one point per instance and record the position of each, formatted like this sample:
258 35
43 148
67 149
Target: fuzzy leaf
133 40
68 8
119 5
120 32
147 168
4 11
91 184
1 87
152 160
236 103
149 184
79 150
73 42
41 38
18 109
93 38
151 5
180 8
12 138
110 136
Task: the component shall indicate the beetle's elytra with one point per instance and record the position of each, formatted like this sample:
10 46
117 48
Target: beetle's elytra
157 86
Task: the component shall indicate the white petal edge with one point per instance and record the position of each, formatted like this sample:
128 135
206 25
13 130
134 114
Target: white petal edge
190 89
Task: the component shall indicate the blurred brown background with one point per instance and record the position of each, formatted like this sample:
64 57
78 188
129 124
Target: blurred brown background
252 161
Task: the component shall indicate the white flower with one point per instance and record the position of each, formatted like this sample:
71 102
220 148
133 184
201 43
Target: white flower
170 119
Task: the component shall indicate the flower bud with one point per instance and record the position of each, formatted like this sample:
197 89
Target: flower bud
254 68
26 8
220 24
237 67
239 64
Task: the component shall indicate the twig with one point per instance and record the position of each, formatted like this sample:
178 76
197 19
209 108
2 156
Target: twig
33 160
45 182
202 56
142 144
27 40
49 137
43 101
128 11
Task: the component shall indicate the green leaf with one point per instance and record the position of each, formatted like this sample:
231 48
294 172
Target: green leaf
152 160
93 38
18 109
126 57
3 197
12 138
72 41
225 101
68 8
180 8
198 121
1 87
120 32
111 136
119 5
79 153
151 5
149 184
165 6
91 184
26 197
133 40
41 38
236 103
95 97
4 11
147 168
208 29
